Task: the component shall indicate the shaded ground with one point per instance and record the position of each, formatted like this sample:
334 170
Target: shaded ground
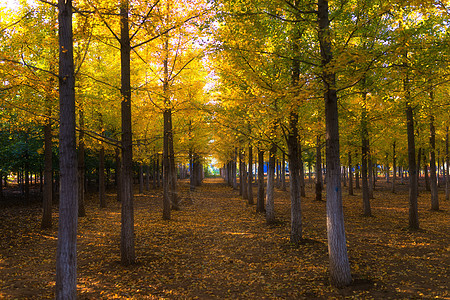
218 247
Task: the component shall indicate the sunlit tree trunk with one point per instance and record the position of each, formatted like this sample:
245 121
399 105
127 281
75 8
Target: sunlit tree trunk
127 251
337 249
66 255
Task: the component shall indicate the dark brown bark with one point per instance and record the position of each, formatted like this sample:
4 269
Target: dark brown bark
337 249
127 251
365 152
260 197
294 180
413 206
66 256
167 177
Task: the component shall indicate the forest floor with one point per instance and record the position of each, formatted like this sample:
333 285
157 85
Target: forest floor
218 247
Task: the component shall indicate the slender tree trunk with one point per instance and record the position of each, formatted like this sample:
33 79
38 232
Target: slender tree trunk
250 175
66 255
337 248
166 169
434 188
270 206
413 190
127 251
365 152
260 197
101 178
319 181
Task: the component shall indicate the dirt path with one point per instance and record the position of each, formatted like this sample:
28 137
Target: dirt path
217 247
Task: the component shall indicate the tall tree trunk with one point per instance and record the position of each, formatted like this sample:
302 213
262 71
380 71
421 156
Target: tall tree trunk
250 175
166 169
294 180
319 181
365 152
270 205
260 197
101 178
127 251
337 248
66 255
434 188
413 190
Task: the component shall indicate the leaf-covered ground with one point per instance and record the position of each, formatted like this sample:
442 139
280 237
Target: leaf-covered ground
218 247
